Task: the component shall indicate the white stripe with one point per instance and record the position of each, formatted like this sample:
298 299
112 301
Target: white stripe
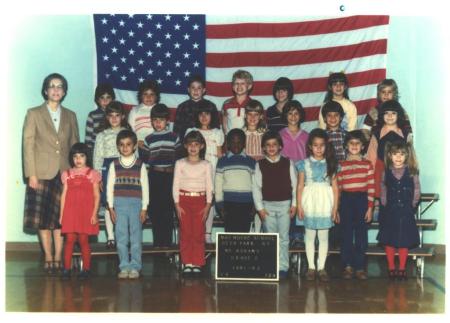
235 19
284 44
297 72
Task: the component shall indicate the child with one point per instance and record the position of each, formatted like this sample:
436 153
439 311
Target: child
390 128
254 127
95 123
233 184
139 118
357 189
127 196
105 151
317 198
400 194
232 114
283 91
274 187
386 90
162 145
338 91
293 136
192 193
333 114
79 205
187 111
208 125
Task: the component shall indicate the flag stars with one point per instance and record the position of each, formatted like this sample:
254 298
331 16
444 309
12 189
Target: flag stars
149 35
140 24
131 33
159 63
140 43
114 68
104 21
169 73
130 16
177 27
141 79
186 18
187 73
158 44
131 51
105 58
186 55
122 41
195 27
149 53
177 64
159 81
150 71
123 59
168 36
168 17
113 31
158 26
177 82
196 64
121 23
195 45
107 75
168 54
124 78
186 36
132 69
141 62
149 17
114 50
105 39
177 45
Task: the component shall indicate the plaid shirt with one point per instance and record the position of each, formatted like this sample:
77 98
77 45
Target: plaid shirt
337 140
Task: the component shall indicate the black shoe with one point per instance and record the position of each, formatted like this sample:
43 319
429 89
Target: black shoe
401 275
111 244
392 274
84 274
65 275
48 268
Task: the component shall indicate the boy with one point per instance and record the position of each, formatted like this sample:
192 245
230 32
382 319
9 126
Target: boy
233 108
187 111
127 197
104 94
233 184
333 114
162 145
356 183
274 193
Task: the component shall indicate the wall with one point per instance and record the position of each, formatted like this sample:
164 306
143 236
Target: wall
44 44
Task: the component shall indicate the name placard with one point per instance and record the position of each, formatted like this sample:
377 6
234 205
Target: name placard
247 256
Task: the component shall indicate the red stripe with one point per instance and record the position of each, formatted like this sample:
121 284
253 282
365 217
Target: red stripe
298 57
318 84
304 28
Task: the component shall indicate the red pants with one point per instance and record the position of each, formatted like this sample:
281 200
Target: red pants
192 230
82 238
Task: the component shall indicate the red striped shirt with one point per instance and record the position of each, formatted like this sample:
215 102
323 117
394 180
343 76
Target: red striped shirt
357 176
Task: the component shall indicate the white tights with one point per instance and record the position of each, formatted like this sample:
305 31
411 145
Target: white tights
310 239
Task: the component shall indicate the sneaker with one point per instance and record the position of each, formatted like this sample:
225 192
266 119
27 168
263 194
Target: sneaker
361 275
196 270
347 273
111 244
310 275
133 274
123 274
323 276
283 274
84 274
65 275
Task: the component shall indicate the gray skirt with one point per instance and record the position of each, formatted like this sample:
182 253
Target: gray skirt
42 206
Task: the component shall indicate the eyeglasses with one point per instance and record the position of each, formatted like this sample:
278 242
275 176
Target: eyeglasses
56 86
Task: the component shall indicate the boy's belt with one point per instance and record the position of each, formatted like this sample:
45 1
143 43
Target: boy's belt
184 193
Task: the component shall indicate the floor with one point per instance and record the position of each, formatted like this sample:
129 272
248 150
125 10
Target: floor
161 289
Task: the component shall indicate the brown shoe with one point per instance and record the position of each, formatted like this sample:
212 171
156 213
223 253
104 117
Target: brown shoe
310 274
361 275
323 276
347 273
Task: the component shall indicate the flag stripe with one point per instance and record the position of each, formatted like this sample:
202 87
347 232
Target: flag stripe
256 30
284 44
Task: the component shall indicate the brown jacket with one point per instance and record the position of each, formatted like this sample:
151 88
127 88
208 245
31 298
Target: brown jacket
45 151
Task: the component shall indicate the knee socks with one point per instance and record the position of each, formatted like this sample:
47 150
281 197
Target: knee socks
71 238
390 255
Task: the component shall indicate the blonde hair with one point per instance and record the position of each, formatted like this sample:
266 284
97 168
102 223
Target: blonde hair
405 148
256 106
242 74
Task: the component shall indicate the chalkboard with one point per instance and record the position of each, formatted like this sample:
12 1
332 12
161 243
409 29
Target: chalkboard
247 256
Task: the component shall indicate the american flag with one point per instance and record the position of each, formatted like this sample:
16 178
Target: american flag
171 48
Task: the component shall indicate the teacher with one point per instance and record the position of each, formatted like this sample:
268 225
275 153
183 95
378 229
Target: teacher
48 133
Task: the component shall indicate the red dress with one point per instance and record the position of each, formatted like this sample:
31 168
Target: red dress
79 204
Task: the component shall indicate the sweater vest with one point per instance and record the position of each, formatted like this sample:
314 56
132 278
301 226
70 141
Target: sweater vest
128 180
276 180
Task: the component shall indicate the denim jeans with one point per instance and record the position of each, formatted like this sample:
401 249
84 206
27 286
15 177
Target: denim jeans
278 221
128 229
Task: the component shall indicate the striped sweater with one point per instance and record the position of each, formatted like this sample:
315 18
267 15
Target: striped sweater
357 176
95 124
162 147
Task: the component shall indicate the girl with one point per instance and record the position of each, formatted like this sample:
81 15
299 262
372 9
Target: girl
79 205
192 194
294 138
386 90
48 133
338 91
254 127
283 91
207 123
105 151
400 193
389 128
317 198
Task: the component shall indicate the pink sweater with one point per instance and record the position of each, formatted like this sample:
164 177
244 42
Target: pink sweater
192 177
